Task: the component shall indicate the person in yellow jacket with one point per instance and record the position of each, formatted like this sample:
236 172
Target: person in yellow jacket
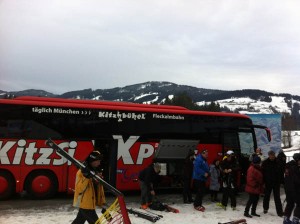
88 193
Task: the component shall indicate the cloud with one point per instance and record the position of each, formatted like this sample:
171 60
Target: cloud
80 44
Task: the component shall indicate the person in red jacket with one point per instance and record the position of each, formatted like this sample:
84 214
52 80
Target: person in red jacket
254 186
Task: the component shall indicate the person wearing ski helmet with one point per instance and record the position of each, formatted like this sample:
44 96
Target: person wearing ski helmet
88 192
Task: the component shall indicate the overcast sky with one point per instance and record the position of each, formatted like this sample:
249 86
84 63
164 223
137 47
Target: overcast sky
66 45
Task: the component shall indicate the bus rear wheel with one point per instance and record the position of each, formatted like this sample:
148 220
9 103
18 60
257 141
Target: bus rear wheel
7 185
41 184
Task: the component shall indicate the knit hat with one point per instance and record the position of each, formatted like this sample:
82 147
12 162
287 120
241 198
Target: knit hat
95 155
296 156
256 160
271 152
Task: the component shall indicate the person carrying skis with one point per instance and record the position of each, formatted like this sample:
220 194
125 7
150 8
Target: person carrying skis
88 193
229 169
148 178
200 174
254 186
292 190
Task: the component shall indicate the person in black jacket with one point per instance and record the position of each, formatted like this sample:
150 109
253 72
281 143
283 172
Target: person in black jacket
292 190
281 157
187 178
229 169
148 178
271 172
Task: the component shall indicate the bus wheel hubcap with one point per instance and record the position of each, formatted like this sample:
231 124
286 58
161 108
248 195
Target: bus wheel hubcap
3 185
41 184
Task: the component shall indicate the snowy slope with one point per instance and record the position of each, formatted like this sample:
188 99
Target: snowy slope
247 105
295 145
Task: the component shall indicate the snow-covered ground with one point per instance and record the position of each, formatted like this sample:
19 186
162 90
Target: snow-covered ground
60 210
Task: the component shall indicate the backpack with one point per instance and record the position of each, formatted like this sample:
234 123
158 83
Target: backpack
157 205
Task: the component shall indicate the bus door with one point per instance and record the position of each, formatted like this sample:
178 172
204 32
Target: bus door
108 149
171 153
234 140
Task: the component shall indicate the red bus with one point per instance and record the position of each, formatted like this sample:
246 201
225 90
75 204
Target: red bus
128 135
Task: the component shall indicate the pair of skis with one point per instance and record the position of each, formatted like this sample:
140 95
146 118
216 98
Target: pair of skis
151 216
238 221
148 215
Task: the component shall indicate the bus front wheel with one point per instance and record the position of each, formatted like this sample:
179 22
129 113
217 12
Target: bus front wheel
7 185
41 184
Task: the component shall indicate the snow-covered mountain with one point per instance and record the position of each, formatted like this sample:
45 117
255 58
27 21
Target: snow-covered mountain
242 101
247 105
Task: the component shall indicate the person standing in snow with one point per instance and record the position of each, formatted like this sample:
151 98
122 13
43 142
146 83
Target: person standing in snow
229 169
254 186
281 157
200 174
148 178
271 172
88 193
187 177
214 185
292 190
257 153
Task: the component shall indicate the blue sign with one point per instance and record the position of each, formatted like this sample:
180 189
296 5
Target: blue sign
273 122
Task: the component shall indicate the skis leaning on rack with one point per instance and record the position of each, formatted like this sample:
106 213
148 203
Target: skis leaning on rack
238 221
150 216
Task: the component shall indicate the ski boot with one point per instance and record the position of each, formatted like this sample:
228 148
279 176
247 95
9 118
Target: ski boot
295 220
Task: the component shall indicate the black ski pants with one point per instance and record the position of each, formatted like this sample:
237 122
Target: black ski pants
187 191
83 215
290 204
146 197
200 191
253 200
229 192
276 193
